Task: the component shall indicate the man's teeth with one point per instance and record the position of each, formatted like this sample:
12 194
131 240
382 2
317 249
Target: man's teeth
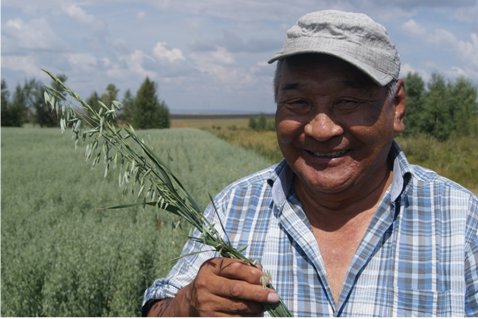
333 154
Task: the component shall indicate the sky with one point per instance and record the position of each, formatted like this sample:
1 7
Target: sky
210 56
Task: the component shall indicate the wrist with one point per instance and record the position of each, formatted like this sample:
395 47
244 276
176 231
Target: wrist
179 306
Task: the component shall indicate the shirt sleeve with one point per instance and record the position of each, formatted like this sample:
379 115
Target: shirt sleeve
186 269
471 261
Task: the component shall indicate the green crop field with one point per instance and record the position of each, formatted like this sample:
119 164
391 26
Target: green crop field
210 122
61 256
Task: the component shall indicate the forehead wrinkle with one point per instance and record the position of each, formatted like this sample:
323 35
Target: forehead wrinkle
354 84
290 86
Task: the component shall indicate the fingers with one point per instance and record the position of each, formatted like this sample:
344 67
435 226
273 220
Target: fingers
238 288
221 306
236 269
228 286
246 282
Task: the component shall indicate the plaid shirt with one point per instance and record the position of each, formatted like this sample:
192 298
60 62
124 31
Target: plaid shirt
418 257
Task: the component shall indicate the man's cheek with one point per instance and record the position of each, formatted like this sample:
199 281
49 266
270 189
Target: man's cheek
287 130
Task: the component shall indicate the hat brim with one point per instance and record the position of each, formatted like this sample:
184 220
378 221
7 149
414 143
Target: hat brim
377 64
378 77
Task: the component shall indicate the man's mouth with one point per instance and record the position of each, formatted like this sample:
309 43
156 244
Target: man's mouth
328 155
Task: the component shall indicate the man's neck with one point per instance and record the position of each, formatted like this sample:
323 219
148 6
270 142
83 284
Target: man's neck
332 211
339 226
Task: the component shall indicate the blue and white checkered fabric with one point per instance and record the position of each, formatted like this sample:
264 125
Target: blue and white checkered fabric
418 257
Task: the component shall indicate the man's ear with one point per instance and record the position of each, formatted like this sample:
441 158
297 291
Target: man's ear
400 107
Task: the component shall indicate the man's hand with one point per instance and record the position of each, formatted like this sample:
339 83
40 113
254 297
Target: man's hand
223 287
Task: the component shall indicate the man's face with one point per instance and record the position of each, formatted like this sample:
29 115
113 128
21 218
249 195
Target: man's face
334 126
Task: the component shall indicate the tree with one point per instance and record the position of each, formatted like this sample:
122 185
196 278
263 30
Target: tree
15 112
271 125
92 101
146 110
444 110
464 102
5 97
414 91
438 118
43 114
110 95
128 106
261 123
253 123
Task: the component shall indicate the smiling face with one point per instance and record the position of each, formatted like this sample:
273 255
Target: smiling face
334 125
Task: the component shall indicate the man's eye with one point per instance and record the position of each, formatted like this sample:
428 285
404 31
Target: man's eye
298 105
347 104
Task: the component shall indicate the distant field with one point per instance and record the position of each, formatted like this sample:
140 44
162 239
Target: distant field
456 159
63 257
219 121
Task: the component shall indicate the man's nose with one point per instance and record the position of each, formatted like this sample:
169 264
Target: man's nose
322 127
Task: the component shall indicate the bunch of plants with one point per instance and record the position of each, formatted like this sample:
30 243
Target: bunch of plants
141 171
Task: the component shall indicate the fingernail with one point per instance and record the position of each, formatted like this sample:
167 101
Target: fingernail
273 298
266 279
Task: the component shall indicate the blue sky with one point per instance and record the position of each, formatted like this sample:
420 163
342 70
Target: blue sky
211 55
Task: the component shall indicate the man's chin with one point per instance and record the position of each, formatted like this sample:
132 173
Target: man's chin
326 181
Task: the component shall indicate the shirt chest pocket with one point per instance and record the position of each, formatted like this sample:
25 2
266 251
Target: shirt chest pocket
425 303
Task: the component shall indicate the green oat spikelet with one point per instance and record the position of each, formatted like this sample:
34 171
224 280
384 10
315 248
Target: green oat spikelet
144 169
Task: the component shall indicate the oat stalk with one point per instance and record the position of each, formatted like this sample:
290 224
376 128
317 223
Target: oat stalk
142 170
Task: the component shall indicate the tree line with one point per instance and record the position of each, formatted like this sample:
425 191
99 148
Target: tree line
26 105
261 123
441 108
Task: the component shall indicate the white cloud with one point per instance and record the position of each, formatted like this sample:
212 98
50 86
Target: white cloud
465 51
131 66
262 69
82 62
140 15
273 10
161 52
433 3
441 37
467 14
32 35
217 64
218 57
84 19
26 64
469 50
407 68
414 29
221 68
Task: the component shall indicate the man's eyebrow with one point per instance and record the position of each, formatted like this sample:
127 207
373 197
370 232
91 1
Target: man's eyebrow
354 84
290 86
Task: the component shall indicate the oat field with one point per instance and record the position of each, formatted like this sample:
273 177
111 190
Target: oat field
61 256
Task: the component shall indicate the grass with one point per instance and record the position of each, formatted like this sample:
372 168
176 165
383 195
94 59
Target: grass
235 131
63 257
263 143
456 159
211 122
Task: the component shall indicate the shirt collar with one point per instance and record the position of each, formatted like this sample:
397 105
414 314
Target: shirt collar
281 179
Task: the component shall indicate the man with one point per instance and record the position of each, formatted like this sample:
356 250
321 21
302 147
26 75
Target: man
345 225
